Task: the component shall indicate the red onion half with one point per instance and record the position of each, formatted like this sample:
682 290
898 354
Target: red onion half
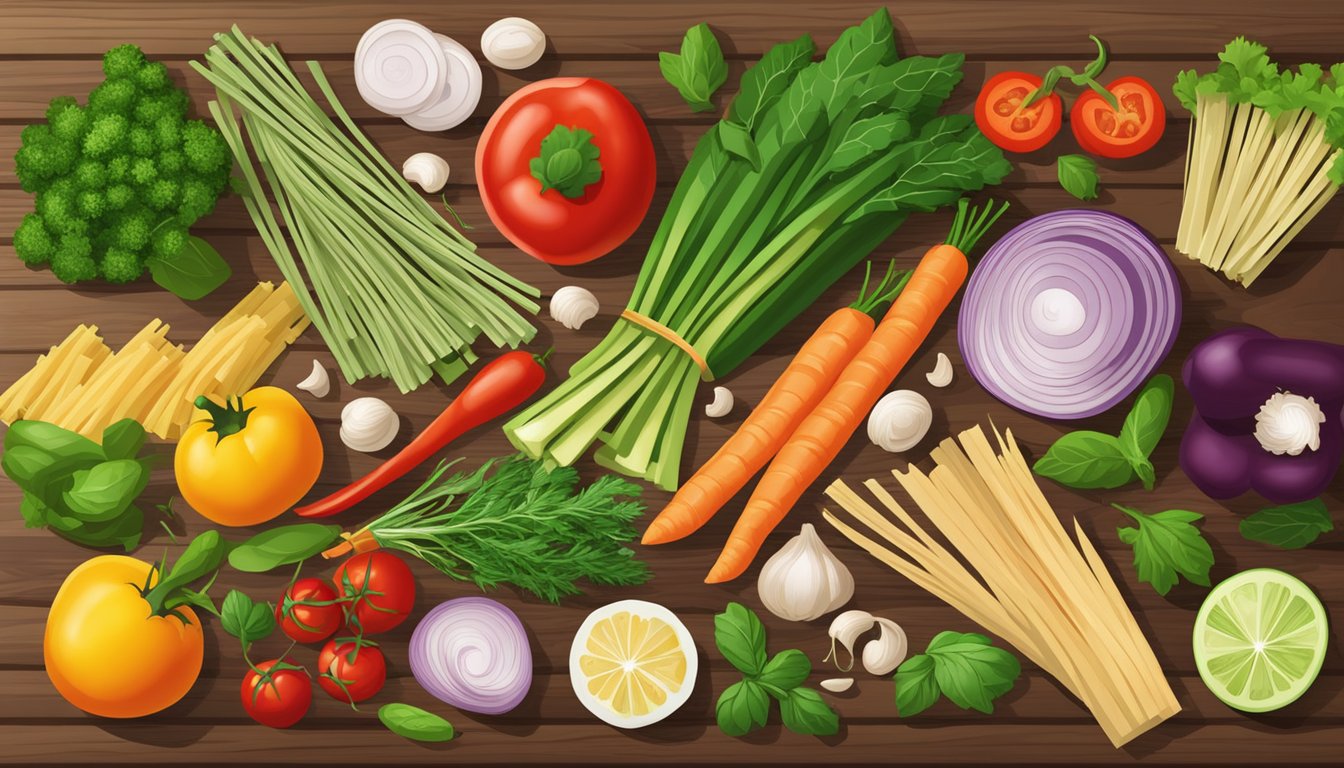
1068 313
472 652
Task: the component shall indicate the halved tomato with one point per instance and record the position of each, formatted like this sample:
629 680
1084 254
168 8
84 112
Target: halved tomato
1131 130
1003 119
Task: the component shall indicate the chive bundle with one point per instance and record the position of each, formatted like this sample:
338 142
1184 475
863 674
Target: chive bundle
399 292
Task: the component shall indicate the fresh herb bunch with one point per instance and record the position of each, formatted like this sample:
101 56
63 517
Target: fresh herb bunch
963 666
119 181
1088 459
815 164
514 522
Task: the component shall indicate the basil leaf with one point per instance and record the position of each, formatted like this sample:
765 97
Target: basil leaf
788 669
916 688
1148 418
193 273
1167 544
803 711
123 440
740 636
282 546
699 70
742 708
415 723
105 490
763 84
201 556
123 530
52 439
737 141
45 475
1290 526
244 619
972 673
1086 459
34 512
1078 176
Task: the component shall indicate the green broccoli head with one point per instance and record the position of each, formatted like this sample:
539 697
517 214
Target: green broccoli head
133 230
124 61
107 134
152 77
32 242
113 97
168 241
121 266
72 261
163 194
42 157
205 148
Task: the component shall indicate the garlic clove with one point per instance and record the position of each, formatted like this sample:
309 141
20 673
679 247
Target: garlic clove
845 630
883 655
513 43
573 306
838 684
899 420
941 375
318 383
368 424
426 169
722 405
803 580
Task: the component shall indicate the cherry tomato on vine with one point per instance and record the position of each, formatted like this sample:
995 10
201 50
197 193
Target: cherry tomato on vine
1002 118
1131 130
351 670
381 591
278 698
310 611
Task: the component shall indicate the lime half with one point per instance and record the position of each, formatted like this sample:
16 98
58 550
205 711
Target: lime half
1260 640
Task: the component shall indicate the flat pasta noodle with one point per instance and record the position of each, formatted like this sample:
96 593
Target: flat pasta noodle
1013 568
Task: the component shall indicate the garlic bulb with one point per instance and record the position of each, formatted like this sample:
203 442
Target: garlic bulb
573 306
941 375
838 684
426 169
845 629
899 420
318 383
722 405
883 655
803 580
513 43
368 424
1289 423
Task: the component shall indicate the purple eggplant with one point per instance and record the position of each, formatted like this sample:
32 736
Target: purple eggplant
1269 415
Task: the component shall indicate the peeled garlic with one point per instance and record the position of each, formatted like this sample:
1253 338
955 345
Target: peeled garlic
368 424
899 420
838 684
723 403
941 375
513 43
803 580
1289 423
573 306
318 384
845 629
883 655
426 169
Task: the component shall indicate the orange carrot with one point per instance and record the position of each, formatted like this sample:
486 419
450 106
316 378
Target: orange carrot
795 393
821 435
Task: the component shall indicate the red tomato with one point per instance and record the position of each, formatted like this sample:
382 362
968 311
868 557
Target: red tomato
310 611
1132 130
999 113
511 168
349 671
382 591
281 699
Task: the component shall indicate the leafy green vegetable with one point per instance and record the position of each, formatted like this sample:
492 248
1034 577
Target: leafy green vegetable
285 545
1291 526
699 70
191 273
78 489
1167 544
964 667
415 723
1145 424
201 558
744 706
1087 459
1078 176
245 619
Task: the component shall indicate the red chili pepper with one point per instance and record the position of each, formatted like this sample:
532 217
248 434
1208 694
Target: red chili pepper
501 386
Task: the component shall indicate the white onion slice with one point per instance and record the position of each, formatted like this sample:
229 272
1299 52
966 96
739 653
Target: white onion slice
472 653
400 67
461 93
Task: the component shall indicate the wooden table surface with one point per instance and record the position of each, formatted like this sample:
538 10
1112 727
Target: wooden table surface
50 48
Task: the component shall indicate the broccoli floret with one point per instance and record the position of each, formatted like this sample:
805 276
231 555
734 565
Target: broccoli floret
119 168
32 242
57 207
72 261
168 242
59 105
162 194
113 97
141 141
90 174
167 132
106 135
119 196
198 199
133 231
69 124
172 161
34 135
205 148
152 77
121 266
123 61
143 171
91 204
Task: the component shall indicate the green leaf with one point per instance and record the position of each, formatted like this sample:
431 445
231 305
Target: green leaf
123 439
803 711
742 708
568 162
857 51
916 688
1078 176
202 556
282 546
1167 544
245 619
193 273
949 158
764 83
42 474
1290 526
737 141
124 530
1148 417
105 490
971 672
52 439
915 85
33 511
415 723
788 669
740 637
699 70
1086 459
867 137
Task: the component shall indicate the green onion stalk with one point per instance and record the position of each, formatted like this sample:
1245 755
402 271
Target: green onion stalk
399 292
814 166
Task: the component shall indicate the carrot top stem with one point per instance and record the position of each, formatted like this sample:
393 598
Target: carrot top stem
971 224
883 293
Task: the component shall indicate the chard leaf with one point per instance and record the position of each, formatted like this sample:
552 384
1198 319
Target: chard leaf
947 160
803 116
868 137
916 84
762 85
737 141
853 55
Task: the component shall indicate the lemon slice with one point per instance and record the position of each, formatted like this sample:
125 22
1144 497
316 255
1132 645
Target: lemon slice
632 663
1260 640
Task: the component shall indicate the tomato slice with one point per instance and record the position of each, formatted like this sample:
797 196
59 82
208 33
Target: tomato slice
1001 117
1129 131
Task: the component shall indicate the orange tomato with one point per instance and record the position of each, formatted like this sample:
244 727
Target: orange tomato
250 459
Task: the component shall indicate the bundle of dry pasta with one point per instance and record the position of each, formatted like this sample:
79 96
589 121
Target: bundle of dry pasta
83 386
1028 582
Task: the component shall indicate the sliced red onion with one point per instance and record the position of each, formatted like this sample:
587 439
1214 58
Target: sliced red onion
1068 313
473 653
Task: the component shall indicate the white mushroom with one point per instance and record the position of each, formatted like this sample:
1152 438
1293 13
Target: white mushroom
318 383
426 169
573 306
722 405
513 43
941 375
899 420
368 424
